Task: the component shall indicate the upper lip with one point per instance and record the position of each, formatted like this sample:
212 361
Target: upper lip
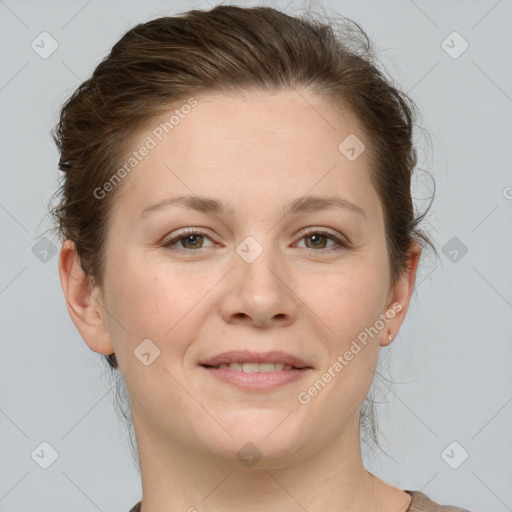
246 356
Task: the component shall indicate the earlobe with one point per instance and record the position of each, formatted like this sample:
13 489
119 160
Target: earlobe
83 301
401 296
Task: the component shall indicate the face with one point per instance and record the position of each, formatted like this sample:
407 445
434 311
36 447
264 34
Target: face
254 276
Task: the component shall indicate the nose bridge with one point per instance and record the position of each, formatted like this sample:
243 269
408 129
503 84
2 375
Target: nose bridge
260 260
261 289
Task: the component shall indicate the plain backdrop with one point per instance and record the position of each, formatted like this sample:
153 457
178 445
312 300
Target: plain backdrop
446 415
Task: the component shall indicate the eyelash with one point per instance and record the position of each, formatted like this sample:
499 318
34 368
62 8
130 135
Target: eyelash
185 234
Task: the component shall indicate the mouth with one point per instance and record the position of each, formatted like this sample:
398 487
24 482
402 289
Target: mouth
256 371
254 367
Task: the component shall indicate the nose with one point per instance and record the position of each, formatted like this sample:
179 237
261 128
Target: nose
260 293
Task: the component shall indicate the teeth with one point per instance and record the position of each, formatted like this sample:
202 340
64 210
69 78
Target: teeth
256 367
251 367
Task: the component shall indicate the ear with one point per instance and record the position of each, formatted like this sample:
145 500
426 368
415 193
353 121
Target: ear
84 302
400 296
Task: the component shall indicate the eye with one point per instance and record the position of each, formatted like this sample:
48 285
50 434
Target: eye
316 237
190 237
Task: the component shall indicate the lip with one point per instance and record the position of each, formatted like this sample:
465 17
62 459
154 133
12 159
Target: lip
246 356
256 381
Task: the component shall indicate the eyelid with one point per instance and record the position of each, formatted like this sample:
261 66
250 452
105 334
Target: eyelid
324 231
340 240
170 240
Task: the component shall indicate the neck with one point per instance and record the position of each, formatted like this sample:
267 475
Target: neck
179 478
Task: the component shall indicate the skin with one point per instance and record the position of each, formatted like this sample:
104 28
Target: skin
255 153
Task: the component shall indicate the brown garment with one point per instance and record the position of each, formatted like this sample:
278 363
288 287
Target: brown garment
419 503
422 503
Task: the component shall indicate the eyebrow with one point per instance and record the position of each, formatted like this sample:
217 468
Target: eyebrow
304 204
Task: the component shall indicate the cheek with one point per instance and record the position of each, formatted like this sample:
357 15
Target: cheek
145 303
349 305
350 299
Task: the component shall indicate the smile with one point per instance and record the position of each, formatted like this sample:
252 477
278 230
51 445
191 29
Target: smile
254 376
255 367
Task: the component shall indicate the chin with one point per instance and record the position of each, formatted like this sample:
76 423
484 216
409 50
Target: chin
257 454
262 439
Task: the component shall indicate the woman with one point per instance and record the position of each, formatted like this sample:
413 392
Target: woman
239 240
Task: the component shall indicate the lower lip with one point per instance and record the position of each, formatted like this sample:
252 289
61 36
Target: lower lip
257 381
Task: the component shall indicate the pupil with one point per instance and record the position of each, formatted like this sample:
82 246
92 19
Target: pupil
316 239
191 239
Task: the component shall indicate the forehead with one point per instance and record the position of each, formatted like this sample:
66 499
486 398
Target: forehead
250 149
301 120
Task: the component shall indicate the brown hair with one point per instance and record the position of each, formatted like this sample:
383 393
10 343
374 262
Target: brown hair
229 49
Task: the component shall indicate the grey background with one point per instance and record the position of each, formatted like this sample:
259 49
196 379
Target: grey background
451 363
